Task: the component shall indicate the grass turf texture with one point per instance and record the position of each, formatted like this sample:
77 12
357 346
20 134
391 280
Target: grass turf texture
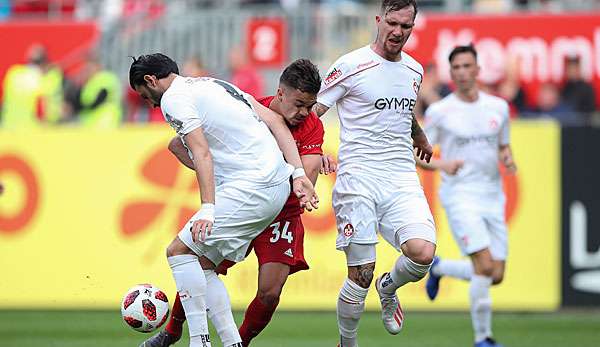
315 329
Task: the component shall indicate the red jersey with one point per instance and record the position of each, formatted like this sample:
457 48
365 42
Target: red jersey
309 139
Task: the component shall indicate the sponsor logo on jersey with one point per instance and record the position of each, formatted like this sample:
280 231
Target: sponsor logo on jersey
333 75
405 104
311 146
348 230
366 65
474 140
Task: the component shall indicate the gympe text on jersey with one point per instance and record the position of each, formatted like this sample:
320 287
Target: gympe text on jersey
395 104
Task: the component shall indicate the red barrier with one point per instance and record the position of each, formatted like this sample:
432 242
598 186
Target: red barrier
539 42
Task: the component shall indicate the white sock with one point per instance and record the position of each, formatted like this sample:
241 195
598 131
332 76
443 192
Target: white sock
403 272
481 306
462 269
350 306
219 309
191 286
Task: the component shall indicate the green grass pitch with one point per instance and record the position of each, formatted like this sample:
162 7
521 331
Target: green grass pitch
314 329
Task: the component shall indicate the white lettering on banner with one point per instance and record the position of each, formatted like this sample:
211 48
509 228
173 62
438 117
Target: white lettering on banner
580 258
539 59
266 42
531 55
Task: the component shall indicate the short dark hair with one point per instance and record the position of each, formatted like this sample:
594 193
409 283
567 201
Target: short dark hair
156 64
395 5
462 49
303 75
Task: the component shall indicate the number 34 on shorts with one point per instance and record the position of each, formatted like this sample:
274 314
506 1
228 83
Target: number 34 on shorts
281 232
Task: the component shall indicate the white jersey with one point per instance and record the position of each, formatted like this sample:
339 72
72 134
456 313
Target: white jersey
472 132
375 101
241 145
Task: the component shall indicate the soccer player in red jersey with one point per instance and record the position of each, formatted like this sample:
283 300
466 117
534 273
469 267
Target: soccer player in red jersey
279 248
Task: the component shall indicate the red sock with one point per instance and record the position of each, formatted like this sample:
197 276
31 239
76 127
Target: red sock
175 324
258 315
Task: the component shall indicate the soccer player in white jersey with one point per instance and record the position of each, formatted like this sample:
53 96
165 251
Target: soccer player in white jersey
472 129
242 175
377 188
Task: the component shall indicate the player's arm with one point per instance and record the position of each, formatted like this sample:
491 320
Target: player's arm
450 167
180 152
203 165
312 166
319 109
506 157
420 142
504 151
302 186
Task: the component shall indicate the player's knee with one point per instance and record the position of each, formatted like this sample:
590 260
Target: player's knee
176 247
419 251
269 296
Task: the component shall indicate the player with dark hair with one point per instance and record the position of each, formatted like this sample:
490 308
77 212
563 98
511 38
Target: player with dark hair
377 189
226 133
472 129
279 248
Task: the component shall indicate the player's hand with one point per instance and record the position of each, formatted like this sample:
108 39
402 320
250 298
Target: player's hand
451 167
508 162
201 229
305 191
424 149
329 165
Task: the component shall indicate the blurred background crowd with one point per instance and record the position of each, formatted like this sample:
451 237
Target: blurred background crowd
89 86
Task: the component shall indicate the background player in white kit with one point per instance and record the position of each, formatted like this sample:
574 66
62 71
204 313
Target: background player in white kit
225 132
472 129
377 188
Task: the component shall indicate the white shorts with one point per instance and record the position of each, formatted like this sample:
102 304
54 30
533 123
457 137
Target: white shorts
396 207
477 222
242 212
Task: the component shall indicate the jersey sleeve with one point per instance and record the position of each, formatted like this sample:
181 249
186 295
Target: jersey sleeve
335 85
312 139
505 128
181 113
432 125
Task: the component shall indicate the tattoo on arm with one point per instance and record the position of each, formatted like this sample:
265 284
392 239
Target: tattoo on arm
415 127
320 109
363 274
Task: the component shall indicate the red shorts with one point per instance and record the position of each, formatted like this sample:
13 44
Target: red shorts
282 242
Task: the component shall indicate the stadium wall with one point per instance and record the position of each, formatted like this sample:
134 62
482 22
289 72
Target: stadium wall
87 214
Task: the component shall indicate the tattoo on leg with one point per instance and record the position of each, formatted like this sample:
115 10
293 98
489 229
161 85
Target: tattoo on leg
365 274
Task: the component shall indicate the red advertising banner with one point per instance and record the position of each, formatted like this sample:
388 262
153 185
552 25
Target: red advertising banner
538 44
267 41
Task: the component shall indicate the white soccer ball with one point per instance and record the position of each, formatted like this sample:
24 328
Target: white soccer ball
145 308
